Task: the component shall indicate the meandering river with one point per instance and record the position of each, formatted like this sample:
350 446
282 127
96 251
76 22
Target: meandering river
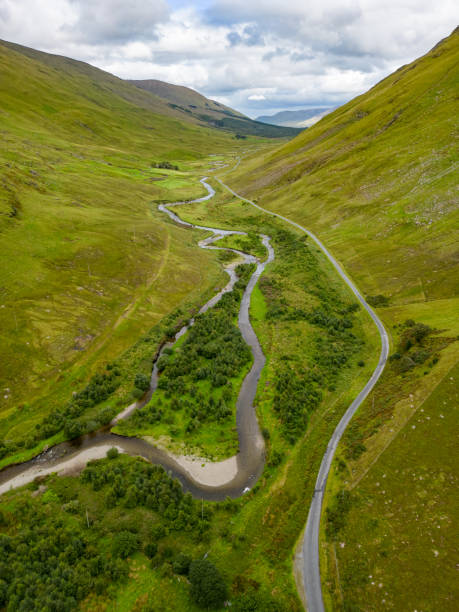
211 481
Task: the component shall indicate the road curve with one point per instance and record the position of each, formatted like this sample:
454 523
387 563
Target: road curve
311 567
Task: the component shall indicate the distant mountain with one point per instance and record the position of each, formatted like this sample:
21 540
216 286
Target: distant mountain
195 106
298 119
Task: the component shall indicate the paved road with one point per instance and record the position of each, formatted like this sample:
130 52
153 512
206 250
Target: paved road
311 569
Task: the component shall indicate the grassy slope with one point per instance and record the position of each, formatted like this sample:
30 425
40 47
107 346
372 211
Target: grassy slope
184 96
194 106
376 180
88 262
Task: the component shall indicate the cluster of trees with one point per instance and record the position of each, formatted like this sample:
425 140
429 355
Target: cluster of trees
165 165
52 557
134 484
297 394
68 419
49 565
298 390
100 387
412 349
213 351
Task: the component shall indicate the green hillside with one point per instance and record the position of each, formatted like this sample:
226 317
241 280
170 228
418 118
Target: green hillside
376 180
207 112
88 264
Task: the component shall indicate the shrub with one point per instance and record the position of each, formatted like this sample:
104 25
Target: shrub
377 300
151 549
181 564
254 601
337 513
137 393
124 544
73 429
142 381
165 165
112 453
207 586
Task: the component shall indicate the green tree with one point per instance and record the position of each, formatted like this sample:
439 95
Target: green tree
142 381
208 588
112 453
124 544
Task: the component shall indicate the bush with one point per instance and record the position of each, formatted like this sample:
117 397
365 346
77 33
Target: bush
137 393
377 300
112 453
207 586
142 382
254 601
181 564
124 544
165 165
336 514
151 549
73 429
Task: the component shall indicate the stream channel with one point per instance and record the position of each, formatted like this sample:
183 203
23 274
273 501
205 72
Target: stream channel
232 477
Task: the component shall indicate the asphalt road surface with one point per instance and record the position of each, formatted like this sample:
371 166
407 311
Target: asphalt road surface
311 568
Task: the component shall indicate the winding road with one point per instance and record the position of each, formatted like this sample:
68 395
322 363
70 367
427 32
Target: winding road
311 565
73 455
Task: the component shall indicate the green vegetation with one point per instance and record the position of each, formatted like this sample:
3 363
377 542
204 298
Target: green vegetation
249 243
376 181
92 266
207 586
195 402
191 105
399 516
312 331
72 537
255 563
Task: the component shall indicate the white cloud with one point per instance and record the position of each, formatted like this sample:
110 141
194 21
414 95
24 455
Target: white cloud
258 56
117 20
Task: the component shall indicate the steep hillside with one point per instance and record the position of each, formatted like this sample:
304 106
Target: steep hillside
186 98
87 263
208 112
376 180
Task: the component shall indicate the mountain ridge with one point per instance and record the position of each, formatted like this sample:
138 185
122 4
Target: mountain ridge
211 113
298 118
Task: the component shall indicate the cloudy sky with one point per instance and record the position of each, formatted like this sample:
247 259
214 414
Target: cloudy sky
258 56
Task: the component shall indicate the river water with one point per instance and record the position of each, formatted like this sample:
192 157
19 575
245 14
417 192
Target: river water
72 456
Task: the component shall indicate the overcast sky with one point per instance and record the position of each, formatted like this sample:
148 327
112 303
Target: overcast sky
258 56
